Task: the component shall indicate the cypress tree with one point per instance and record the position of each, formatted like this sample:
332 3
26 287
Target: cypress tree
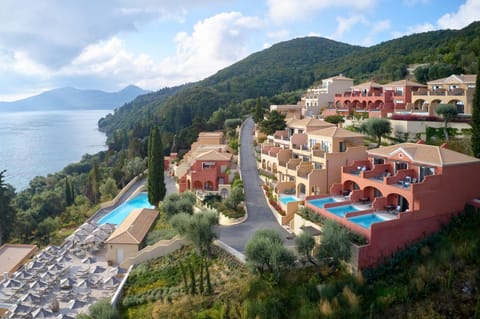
258 112
93 183
476 117
69 197
156 183
7 212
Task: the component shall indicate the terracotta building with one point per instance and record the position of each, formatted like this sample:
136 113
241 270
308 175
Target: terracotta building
399 195
129 237
375 99
209 171
306 158
455 89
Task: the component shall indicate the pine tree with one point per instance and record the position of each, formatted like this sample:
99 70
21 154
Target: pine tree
156 183
476 117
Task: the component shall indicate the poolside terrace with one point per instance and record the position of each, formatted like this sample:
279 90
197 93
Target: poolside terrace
62 281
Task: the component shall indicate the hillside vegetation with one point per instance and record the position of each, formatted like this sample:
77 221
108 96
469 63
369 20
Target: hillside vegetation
295 65
438 278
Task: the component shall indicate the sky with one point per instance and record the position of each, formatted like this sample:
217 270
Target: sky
153 44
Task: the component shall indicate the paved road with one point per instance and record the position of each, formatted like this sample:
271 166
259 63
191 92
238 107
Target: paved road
259 214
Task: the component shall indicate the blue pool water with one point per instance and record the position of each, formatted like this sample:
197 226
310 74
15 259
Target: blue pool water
117 215
366 220
288 199
320 202
342 210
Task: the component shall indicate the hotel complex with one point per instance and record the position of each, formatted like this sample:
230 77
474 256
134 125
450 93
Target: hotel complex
393 195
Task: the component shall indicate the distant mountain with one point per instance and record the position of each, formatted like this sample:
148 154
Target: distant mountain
69 98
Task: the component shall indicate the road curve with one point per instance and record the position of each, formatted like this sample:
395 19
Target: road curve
259 214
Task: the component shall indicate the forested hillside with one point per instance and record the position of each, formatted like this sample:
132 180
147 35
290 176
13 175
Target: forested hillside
290 66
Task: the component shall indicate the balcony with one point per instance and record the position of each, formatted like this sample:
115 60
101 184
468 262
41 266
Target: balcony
441 92
318 153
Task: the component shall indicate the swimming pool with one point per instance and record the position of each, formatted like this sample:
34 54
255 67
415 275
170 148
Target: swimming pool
342 210
117 215
320 202
285 199
366 220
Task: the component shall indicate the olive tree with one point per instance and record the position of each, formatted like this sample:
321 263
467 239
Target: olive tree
448 113
305 243
377 127
266 254
335 245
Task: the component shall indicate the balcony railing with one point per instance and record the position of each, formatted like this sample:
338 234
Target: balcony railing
440 93
303 174
300 147
318 153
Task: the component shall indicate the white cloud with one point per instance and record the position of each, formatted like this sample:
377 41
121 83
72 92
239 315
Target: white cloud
53 32
415 29
346 24
292 10
215 43
466 14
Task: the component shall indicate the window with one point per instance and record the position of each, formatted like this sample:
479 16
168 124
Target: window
342 147
312 142
425 171
377 160
325 146
207 165
400 166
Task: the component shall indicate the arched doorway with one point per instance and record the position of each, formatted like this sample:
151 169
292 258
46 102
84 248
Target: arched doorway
350 186
399 202
301 189
372 192
459 105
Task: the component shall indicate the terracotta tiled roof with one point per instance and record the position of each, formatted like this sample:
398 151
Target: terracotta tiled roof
214 156
404 83
134 228
425 154
455 78
370 84
339 77
210 134
304 123
335 132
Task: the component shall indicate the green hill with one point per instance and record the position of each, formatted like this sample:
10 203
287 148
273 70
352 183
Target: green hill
295 65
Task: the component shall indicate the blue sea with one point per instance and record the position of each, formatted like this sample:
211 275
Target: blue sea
43 142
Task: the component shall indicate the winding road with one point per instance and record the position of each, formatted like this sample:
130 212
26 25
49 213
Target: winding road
259 214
